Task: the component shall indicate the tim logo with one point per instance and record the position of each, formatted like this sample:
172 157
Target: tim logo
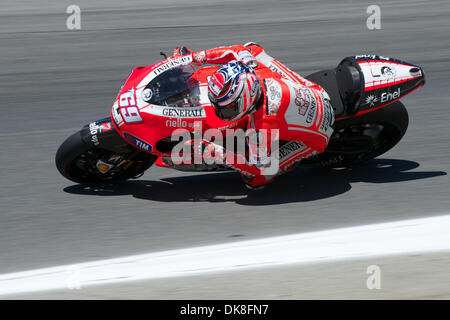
141 144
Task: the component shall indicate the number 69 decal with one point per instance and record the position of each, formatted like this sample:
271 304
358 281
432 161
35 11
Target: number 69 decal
128 108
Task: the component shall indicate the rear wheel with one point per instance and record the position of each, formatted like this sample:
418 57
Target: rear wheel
82 162
364 137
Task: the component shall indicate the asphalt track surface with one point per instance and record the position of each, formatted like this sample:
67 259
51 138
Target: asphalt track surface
53 81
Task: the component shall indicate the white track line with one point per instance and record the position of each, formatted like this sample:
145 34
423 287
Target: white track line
393 238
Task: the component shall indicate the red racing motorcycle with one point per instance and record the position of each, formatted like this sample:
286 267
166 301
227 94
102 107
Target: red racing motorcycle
172 94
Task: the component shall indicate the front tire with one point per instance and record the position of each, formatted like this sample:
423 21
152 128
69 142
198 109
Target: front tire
77 161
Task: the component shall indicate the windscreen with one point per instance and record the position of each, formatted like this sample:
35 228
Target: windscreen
176 87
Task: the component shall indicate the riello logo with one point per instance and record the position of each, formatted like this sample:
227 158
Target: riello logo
389 96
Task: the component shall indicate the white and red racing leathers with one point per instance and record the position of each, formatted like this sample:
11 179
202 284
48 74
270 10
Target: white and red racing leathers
296 113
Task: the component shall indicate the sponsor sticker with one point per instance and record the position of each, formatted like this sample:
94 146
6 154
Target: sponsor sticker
371 100
246 57
103 167
371 56
183 112
274 68
175 112
179 123
389 96
147 94
289 149
302 110
328 117
311 112
104 127
141 144
128 108
303 100
93 129
172 64
388 72
254 84
274 95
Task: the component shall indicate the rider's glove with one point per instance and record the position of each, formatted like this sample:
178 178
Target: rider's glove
204 151
181 51
197 57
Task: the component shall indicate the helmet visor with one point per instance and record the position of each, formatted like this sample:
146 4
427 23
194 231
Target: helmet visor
229 111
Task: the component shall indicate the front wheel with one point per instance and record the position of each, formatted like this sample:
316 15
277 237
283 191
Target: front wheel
82 162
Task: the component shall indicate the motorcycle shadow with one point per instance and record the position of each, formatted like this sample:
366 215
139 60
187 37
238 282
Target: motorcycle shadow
302 185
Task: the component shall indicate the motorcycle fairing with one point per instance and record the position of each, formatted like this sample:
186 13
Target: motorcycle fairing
155 120
384 80
364 83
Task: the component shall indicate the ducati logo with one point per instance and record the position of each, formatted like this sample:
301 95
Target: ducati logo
147 94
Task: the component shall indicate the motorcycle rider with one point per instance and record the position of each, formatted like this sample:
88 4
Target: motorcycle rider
252 83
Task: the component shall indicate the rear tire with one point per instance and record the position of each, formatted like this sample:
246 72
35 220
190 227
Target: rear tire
392 123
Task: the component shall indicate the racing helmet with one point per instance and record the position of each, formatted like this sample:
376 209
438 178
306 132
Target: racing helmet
234 90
